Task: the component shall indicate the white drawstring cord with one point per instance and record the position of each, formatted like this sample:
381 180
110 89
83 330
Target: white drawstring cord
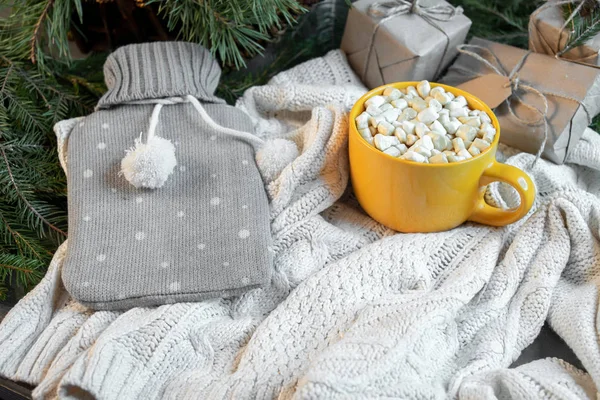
232 132
153 121
254 140
149 164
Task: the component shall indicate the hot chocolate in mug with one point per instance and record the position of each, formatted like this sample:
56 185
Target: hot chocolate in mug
409 196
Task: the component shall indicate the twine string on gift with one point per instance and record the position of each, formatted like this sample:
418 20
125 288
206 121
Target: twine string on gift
515 84
555 47
389 9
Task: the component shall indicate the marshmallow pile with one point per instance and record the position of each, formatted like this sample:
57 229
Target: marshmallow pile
425 125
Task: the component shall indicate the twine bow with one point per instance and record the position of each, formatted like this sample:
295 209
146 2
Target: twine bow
387 10
438 12
558 53
515 85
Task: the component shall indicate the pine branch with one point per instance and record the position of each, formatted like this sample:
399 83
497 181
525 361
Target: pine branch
36 31
505 21
233 30
33 209
22 197
507 17
27 271
317 32
584 28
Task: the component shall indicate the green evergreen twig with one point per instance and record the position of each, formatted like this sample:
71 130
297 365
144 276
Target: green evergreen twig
584 26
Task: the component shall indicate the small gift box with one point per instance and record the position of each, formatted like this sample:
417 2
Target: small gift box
402 40
550 33
542 103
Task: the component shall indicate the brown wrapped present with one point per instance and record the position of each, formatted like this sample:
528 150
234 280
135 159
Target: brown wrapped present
402 40
542 103
549 33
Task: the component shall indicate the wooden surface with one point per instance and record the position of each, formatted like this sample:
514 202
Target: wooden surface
14 391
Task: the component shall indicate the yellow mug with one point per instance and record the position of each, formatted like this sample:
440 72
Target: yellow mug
413 197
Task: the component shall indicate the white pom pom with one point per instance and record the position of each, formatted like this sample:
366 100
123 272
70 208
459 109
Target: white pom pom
149 164
274 156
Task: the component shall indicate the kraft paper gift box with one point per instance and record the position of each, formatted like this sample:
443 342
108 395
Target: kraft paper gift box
524 80
402 43
547 36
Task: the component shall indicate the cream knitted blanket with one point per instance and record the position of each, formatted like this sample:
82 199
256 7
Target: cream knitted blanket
354 310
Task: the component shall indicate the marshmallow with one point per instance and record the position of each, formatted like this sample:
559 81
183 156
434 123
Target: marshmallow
452 126
400 134
425 124
362 121
459 112
400 104
407 114
408 127
412 91
392 93
455 158
365 133
421 150
375 120
440 142
473 121
373 111
485 118
461 100
474 150
437 89
443 98
438 159
435 105
487 128
421 129
428 115
411 139
481 144
466 133
393 151
425 142
423 88
376 101
385 142
418 104
444 118
391 115
412 156
464 153
437 127
385 128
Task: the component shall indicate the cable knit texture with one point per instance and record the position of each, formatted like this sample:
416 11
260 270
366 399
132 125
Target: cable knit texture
354 310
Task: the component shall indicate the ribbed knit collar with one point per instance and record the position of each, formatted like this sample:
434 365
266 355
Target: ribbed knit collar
158 70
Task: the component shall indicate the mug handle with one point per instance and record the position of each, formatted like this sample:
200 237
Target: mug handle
488 215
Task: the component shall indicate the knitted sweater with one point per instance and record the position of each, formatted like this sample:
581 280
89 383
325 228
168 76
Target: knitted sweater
354 310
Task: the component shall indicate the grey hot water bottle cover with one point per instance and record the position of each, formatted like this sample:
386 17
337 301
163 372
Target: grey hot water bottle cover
205 233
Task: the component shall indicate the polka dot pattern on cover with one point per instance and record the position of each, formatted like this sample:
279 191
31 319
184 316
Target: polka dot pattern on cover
196 228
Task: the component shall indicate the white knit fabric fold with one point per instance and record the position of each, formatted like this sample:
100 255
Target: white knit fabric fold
354 310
